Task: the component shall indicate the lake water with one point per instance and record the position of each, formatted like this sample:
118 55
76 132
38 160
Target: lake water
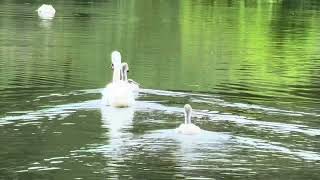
250 69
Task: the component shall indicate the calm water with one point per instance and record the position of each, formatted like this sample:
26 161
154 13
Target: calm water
250 69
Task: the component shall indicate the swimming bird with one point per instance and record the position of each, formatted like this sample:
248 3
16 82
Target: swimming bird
46 11
187 127
118 93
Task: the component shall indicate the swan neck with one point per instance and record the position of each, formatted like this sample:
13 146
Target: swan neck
121 75
116 74
124 75
187 117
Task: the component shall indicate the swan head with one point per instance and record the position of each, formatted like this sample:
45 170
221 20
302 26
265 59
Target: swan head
125 67
187 114
116 59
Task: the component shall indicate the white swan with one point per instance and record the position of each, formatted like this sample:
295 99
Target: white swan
118 93
46 11
124 77
187 127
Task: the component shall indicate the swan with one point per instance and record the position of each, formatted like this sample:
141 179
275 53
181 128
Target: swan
46 11
187 127
124 77
118 93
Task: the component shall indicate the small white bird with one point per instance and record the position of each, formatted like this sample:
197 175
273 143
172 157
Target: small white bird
187 127
118 93
46 11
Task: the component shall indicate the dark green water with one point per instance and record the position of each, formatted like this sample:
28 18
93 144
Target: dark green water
250 69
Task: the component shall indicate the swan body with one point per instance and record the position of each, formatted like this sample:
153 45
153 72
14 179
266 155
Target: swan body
118 93
46 11
187 127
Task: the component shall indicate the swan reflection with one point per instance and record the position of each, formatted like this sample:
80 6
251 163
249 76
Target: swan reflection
116 120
